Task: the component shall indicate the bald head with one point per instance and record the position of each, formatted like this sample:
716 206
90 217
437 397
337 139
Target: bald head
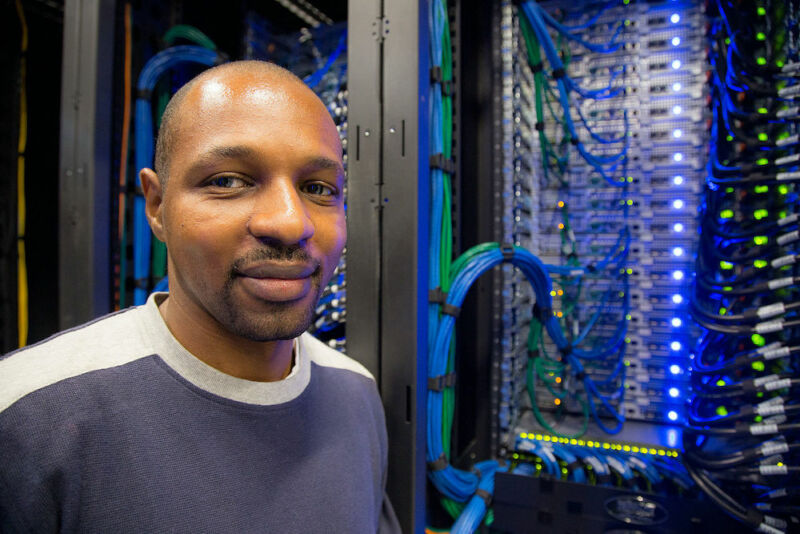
262 72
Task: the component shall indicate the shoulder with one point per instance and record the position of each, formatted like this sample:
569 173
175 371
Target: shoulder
323 355
109 341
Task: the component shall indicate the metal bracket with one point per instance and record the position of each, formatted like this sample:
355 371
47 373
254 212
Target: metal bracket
380 29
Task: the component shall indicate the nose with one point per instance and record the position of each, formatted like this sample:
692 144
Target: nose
279 215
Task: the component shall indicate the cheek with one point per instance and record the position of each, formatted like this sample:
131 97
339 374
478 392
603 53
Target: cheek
331 233
199 238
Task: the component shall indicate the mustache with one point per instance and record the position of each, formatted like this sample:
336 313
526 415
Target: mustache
276 253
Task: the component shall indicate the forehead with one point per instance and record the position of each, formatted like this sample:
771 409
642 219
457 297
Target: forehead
255 109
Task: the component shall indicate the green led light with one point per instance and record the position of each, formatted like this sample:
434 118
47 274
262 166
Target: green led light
628 317
726 214
729 190
727 40
621 294
723 310
763 111
760 240
729 138
760 214
783 189
758 366
761 60
627 340
720 382
758 419
760 264
727 288
761 188
630 179
761 11
725 265
627 363
760 36
782 213
626 2
762 161
779 63
762 136
627 22
721 411
630 202
629 270
759 341
760 394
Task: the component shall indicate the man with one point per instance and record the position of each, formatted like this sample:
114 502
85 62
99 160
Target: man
208 409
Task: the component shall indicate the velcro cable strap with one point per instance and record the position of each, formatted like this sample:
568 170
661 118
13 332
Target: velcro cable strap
449 309
438 383
438 77
437 296
438 464
541 313
539 126
508 251
559 73
144 94
485 495
438 161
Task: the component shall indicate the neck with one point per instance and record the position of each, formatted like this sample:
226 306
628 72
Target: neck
208 341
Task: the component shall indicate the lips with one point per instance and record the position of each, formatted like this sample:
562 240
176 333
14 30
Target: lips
276 282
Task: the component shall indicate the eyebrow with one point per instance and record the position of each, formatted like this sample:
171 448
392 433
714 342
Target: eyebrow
212 155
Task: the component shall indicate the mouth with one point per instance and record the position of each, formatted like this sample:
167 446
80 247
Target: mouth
277 281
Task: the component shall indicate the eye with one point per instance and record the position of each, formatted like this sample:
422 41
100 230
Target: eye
227 181
320 189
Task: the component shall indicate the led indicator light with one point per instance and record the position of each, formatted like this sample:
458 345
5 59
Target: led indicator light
677 251
676 86
677 156
674 392
677 299
676 110
675 345
677 227
677 203
677 133
675 18
677 275
677 180
676 41
676 64
672 415
676 322
675 369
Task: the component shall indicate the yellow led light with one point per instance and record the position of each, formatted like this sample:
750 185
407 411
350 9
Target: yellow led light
558 380
539 437
524 435
606 446
560 226
553 293
560 203
573 441
547 438
661 452
557 402
560 314
652 451
626 448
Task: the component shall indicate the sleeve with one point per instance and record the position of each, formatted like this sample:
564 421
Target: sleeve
388 522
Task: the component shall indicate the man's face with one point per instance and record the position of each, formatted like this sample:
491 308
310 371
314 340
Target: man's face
252 211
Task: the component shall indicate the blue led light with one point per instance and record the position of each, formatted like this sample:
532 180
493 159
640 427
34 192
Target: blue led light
676 64
677 299
674 392
676 110
677 156
675 345
677 203
677 133
675 369
677 251
676 41
675 18
672 438
677 227
677 275
677 180
677 86
676 322
672 415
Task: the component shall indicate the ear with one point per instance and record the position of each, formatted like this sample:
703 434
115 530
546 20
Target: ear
154 201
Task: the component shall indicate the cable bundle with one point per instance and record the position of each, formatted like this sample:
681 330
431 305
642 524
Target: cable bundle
740 441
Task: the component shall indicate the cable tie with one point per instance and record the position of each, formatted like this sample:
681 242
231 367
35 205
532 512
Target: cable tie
485 495
566 351
438 161
439 464
438 383
437 296
574 465
575 141
538 67
580 375
140 283
539 126
508 251
451 310
436 74
144 94
559 73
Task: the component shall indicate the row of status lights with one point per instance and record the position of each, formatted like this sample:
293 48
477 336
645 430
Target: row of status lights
655 451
